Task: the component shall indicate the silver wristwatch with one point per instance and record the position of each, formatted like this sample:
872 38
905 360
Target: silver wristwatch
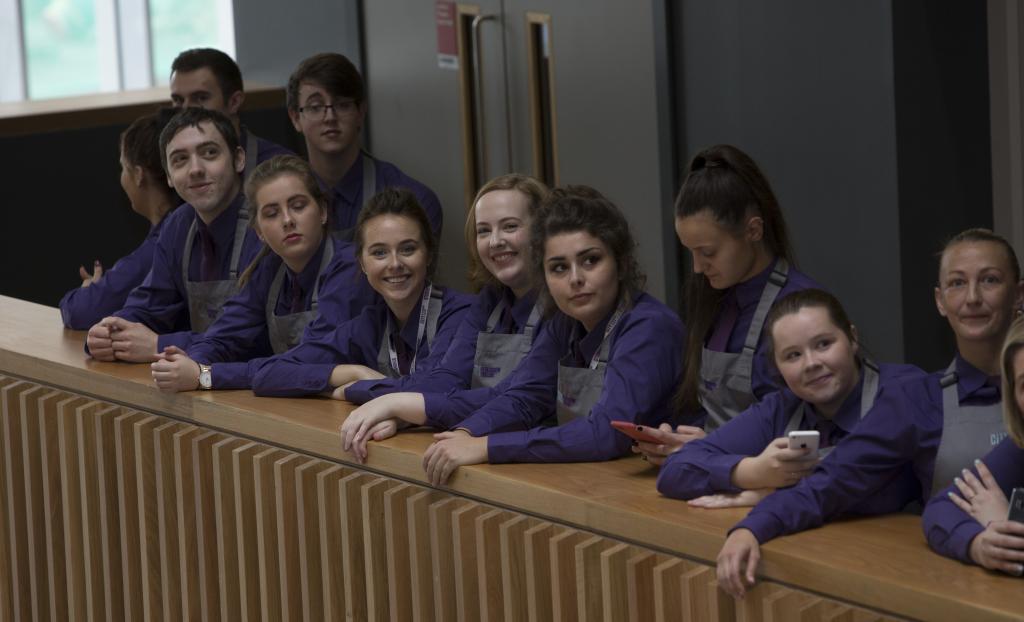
205 379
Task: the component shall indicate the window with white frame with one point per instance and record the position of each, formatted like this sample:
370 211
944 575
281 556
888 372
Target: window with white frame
59 48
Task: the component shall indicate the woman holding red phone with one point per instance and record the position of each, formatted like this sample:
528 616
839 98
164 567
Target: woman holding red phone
830 387
974 527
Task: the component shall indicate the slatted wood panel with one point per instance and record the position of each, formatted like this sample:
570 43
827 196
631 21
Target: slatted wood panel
111 513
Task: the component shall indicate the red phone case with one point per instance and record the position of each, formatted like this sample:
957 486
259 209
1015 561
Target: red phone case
629 429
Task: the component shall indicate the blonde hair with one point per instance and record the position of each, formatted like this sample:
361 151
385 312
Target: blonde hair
267 172
535 193
1013 418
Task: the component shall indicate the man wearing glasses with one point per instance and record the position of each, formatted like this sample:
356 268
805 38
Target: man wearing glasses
327 105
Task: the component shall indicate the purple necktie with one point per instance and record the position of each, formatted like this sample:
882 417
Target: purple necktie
825 428
207 258
402 352
727 316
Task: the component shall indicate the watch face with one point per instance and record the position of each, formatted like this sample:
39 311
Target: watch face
204 379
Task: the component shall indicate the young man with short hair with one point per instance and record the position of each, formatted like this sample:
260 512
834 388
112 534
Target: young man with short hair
203 246
208 78
327 105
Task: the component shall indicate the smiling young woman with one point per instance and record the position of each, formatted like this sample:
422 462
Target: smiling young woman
408 330
830 386
301 285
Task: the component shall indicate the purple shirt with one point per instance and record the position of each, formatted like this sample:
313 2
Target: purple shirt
949 530
747 295
82 307
161 302
347 196
641 377
234 343
455 371
306 368
264 148
902 431
705 466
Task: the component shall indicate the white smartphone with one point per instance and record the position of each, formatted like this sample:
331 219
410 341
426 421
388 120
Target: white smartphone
805 439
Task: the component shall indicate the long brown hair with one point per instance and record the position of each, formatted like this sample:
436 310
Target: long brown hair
728 184
535 193
267 172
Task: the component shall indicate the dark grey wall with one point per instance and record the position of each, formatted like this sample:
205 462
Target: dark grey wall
823 94
944 158
272 37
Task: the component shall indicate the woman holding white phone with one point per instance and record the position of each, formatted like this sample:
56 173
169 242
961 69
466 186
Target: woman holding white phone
830 387
973 526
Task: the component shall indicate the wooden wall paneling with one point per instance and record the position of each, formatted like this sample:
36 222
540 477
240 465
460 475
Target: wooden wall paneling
589 599
396 526
640 585
467 583
247 536
149 516
6 572
514 571
14 560
35 509
702 600
204 485
228 577
71 503
564 589
442 545
266 562
721 606
539 600
488 564
128 512
307 502
166 492
751 607
353 558
185 520
375 552
785 605
108 496
615 581
667 602
817 610
331 549
421 554
89 476
288 535
53 513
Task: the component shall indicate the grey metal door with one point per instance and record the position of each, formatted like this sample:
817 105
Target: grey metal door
572 92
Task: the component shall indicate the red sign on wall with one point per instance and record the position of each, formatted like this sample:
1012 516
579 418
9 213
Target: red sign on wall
447 43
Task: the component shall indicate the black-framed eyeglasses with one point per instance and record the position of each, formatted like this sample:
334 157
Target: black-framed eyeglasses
318 110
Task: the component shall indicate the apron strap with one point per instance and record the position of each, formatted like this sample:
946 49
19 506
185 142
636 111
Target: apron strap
776 281
433 313
492 319
241 225
325 260
369 178
531 322
794 420
601 355
186 255
275 291
869 390
251 152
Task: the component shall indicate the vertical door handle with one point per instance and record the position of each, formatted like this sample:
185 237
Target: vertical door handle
478 98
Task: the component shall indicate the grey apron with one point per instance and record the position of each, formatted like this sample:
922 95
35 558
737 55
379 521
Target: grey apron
579 388
498 354
206 298
430 312
968 432
285 331
725 377
868 393
369 189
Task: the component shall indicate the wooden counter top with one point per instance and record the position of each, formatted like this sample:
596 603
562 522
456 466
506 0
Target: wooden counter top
882 563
